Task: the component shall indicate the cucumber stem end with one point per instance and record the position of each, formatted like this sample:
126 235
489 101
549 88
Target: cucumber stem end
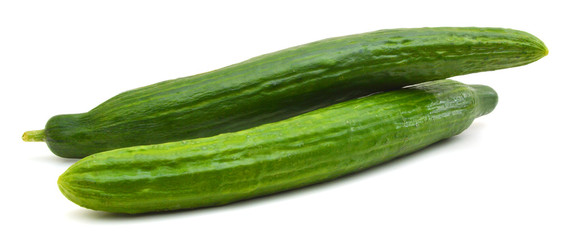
487 99
34 136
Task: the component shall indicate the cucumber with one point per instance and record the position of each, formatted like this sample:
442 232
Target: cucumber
284 84
310 148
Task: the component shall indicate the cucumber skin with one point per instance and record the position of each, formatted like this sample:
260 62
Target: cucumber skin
314 147
287 83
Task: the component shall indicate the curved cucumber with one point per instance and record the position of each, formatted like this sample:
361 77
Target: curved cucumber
284 84
306 149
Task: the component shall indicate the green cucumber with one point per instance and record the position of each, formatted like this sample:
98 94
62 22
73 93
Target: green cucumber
284 84
310 148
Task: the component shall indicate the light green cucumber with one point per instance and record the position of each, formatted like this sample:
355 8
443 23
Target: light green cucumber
314 147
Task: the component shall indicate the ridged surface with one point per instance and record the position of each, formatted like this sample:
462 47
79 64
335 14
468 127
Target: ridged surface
287 83
310 148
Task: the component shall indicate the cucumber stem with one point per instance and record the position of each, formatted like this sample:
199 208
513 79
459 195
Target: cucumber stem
34 136
487 99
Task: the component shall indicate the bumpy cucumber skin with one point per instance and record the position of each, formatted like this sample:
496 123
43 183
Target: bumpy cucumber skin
287 83
317 146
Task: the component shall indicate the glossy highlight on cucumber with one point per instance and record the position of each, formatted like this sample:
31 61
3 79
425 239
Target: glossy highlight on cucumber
283 84
310 148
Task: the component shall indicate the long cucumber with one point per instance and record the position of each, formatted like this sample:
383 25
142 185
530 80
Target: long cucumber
284 84
314 147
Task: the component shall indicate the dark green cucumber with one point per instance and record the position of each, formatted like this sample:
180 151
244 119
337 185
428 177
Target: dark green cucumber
303 150
284 84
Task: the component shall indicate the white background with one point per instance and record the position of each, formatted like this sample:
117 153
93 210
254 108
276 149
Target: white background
511 175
